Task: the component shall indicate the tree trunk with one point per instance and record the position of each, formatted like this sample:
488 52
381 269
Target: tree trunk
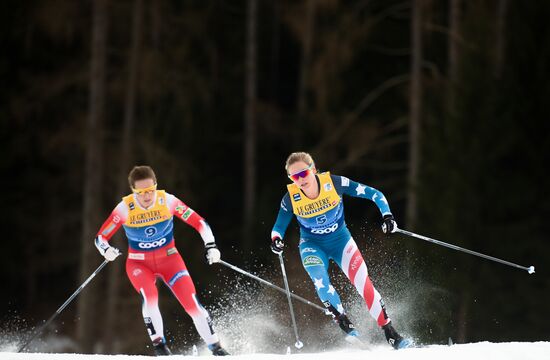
415 103
454 35
92 175
116 269
250 124
156 19
307 44
275 50
500 46
462 319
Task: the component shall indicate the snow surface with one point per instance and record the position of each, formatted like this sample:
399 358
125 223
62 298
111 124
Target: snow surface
483 350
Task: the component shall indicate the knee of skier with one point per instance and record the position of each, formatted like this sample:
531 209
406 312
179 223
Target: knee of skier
192 306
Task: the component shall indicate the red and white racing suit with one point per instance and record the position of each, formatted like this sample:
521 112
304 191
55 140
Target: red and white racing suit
152 254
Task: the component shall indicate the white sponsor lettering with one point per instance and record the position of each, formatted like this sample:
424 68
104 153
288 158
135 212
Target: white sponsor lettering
328 230
153 244
357 261
308 250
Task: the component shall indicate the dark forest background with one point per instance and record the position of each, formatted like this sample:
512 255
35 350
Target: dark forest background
442 105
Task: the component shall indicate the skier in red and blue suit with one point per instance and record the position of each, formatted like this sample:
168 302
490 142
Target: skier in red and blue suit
316 199
147 216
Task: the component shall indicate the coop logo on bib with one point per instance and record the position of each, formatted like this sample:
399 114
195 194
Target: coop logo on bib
327 230
152 244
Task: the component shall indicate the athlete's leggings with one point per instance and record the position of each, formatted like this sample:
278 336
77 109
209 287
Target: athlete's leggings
315 259
144 269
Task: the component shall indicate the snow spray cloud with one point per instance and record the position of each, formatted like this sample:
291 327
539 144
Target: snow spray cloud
16 331
416 307
247 316
12 332
252 318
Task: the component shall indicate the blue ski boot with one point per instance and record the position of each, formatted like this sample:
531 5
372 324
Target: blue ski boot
346 325
352 335
217 349
160 348
394 339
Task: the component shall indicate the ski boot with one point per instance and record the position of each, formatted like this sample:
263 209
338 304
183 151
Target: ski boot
394 339
217 349
160 348
346 325
352 335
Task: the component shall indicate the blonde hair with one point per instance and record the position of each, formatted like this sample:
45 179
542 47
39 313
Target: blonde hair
141 172
299 156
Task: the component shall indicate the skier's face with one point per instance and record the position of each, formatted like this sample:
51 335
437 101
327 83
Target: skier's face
303 175
145 191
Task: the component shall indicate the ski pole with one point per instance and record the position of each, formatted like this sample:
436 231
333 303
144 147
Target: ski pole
530 269
265 282
298 344
62 307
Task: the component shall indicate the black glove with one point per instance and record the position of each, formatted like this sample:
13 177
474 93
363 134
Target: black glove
388 224
277 245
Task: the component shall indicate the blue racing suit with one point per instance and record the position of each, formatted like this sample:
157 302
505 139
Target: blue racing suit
324 236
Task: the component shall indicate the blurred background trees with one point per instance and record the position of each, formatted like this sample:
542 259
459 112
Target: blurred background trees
441 105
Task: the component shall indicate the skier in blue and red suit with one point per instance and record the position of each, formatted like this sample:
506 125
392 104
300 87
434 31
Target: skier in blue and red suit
316 199
147 216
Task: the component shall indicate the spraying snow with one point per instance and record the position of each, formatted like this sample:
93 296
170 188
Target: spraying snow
253 323
484 350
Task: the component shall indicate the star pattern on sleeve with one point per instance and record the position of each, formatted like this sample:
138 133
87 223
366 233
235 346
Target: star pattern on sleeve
383 198
331 290
360 189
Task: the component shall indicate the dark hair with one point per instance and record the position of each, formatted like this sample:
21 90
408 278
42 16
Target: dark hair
141 172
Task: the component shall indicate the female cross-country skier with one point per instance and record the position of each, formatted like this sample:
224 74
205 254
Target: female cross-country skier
316 200
147 216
